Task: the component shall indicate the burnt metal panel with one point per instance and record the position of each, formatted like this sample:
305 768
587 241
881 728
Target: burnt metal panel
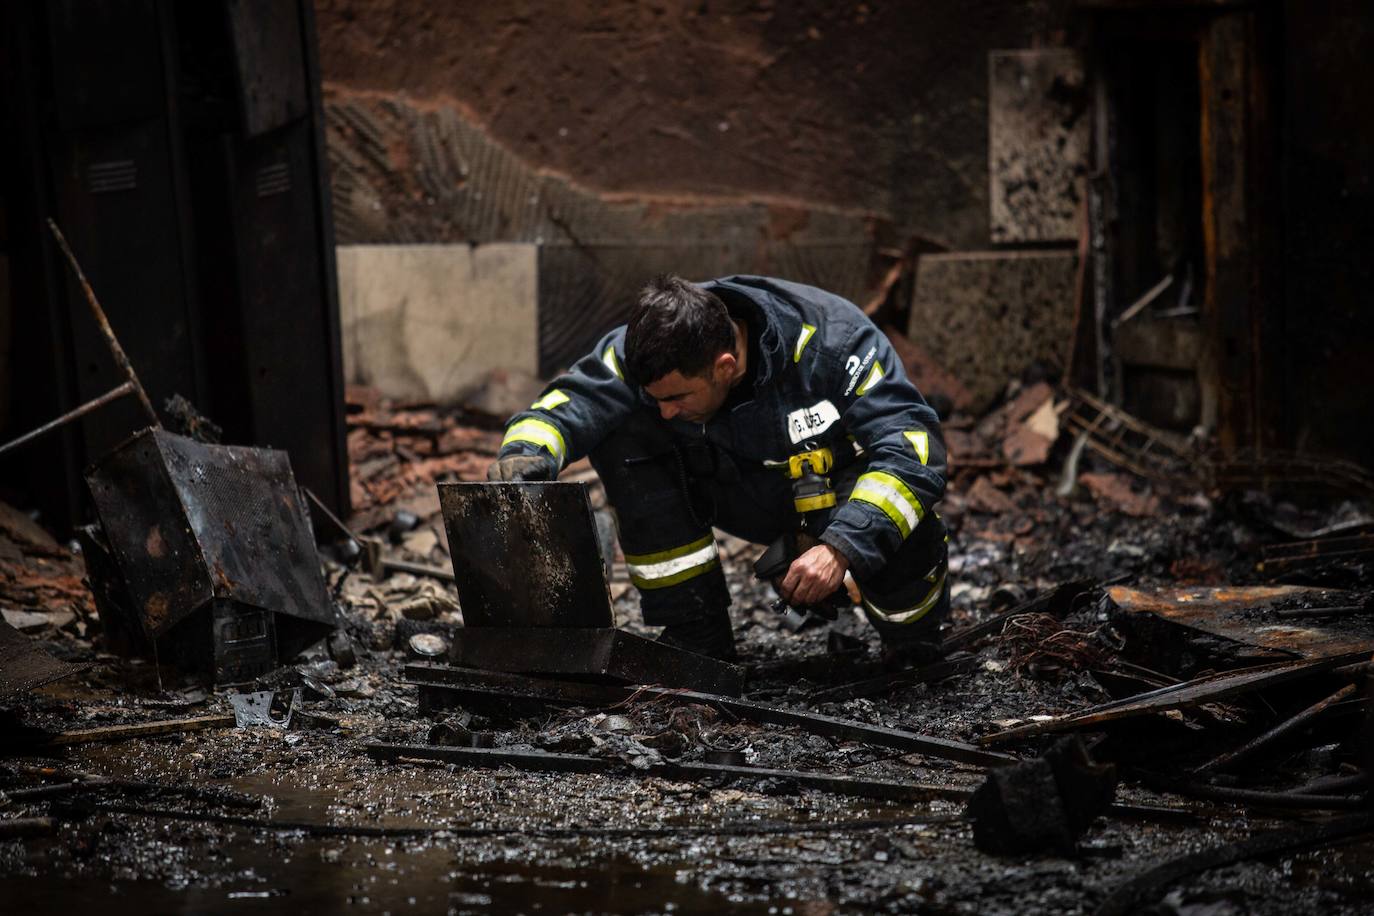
525 554
107 61
271 70
282 323
149 535
119 203
189 522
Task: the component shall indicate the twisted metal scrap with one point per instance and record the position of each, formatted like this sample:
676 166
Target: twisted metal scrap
1042 641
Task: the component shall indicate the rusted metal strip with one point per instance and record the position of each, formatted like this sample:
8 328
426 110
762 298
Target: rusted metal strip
1189 693
94 404
120 358
1286 727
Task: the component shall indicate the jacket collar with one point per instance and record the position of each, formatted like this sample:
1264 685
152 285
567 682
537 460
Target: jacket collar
779 322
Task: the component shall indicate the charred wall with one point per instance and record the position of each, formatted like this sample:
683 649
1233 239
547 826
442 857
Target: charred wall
1328 208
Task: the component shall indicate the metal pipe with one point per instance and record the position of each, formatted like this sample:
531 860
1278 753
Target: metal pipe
116 350
113 394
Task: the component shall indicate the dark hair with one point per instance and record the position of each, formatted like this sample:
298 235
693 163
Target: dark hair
678 326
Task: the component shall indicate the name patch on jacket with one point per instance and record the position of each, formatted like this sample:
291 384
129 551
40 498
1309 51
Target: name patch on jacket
810 422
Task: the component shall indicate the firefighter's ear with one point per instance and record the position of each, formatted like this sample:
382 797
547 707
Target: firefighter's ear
725 367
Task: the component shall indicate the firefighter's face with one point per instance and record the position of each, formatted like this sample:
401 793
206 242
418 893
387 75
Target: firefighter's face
693 398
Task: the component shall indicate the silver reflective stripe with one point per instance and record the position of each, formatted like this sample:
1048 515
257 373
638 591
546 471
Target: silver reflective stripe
915 612
888 498
664 569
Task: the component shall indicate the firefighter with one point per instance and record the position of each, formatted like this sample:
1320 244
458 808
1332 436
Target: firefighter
763 408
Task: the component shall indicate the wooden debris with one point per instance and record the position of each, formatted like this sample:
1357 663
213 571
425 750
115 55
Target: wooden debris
1190 693
1286 727
138 730
1135 894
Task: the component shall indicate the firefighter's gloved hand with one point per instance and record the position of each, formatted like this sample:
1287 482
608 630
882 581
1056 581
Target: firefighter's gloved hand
814 576
523 467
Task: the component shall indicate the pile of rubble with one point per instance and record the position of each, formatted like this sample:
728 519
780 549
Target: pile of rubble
1207 655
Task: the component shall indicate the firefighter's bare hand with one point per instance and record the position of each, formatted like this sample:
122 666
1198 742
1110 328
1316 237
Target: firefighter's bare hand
523 467
813 576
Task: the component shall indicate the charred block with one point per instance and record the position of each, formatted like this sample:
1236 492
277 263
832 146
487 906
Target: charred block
1041 805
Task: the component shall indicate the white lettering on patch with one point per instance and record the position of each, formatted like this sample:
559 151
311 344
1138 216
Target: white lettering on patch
855 368
810 422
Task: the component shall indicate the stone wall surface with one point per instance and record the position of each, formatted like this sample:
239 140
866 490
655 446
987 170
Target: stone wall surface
428 323
990 316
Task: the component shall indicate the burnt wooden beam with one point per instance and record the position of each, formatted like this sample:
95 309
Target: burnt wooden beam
1189 693
545 762
437 678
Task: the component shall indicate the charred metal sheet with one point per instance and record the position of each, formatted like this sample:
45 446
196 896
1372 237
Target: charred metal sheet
525 555
24 665
1248 616
1190 693
216 531
605 652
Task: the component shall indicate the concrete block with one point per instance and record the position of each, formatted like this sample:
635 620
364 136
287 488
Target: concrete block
430 322
1038 118
990 315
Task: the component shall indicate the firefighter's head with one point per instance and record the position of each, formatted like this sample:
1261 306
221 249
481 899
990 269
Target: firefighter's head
684 349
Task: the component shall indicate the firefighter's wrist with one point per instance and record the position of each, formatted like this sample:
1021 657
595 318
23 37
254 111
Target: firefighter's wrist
843 548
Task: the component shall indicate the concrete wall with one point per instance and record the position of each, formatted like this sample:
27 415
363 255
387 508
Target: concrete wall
991 316
430 322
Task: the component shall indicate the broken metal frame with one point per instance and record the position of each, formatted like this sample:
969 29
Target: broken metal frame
1127 442
130 386
436 679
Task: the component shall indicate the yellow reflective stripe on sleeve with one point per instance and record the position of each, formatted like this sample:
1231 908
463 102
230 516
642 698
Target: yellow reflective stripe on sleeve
893 496
609 358
670 567
913 613
875 375
543 434
802 341
920 441
551 400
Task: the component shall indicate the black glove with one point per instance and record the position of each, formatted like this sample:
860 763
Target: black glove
523 467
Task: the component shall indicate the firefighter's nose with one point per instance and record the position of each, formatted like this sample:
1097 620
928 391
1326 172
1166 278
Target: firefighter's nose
669 410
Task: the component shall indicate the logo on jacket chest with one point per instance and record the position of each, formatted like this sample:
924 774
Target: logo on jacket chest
810 422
